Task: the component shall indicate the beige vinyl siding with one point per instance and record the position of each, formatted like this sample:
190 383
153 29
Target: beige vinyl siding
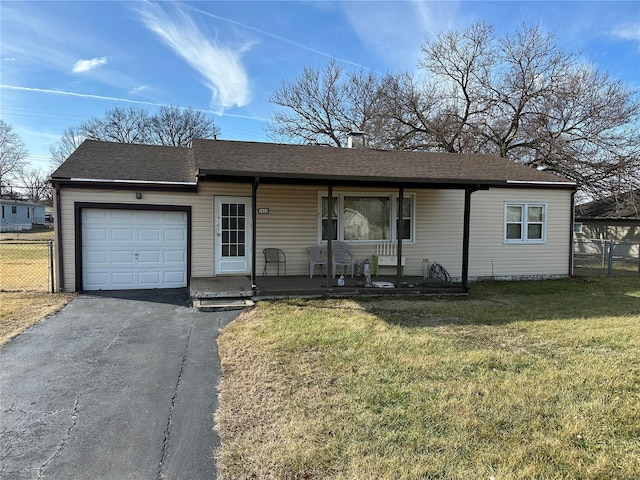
489 256
293 218
202 219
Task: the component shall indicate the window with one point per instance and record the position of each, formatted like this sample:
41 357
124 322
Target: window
367 218
525 223
14 210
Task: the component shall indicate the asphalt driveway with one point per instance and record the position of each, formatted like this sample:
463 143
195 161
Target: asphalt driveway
112 387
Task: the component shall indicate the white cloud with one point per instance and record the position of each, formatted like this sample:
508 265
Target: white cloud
627 31
396 31
219 64
82 66
138 90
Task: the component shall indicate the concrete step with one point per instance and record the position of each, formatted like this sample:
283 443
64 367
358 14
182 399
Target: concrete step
221 304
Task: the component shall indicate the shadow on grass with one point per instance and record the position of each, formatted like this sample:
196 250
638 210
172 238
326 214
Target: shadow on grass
505 302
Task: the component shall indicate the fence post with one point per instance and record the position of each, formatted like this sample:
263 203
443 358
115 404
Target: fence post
53 286
610 262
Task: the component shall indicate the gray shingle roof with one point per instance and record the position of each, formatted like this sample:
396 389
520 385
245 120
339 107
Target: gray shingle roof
150 163
108 161
625 207
321 162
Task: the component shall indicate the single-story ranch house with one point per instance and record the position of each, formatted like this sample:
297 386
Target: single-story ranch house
142 216
20 215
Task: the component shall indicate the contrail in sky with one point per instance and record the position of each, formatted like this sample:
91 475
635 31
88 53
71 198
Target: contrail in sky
116 99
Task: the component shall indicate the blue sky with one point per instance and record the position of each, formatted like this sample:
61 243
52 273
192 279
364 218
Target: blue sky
64 62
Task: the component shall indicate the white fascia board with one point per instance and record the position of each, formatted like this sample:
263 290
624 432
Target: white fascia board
149 182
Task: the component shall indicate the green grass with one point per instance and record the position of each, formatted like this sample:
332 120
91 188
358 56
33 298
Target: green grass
519 380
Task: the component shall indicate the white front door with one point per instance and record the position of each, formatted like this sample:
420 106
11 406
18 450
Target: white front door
233 228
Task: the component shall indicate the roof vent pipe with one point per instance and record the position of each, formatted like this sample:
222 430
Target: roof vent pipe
355 139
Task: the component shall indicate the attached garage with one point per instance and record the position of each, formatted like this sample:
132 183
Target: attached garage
125 248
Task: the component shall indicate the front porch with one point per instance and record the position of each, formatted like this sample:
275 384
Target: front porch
230 291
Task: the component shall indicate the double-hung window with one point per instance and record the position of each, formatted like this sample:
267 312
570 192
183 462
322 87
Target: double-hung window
366 218
525 223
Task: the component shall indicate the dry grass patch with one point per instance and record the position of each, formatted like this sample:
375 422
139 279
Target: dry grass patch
21 310
519 381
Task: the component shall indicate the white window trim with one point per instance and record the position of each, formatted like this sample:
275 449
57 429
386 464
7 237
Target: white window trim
525 208
393 197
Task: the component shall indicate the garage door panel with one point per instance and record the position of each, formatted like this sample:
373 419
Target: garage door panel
175 278
129 249
150 257
122 235
96 257
175 256
149 234
123 279
123 257
174 235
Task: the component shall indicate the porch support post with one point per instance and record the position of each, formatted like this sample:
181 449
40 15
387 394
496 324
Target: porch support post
254 211
400 236
329 236
465 237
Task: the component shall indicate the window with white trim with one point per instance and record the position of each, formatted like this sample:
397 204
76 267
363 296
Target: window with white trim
367 218
525 223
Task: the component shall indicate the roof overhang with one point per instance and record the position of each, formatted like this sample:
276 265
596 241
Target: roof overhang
125 184
235 176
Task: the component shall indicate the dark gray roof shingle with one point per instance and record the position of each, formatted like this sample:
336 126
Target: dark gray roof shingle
127 161
107 161
305 161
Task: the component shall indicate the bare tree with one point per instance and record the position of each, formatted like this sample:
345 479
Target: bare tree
174 126
177 126
71 139
323 105
122 125
519 96
13 153
35 185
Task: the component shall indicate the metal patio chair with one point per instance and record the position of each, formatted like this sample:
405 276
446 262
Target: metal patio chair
274 255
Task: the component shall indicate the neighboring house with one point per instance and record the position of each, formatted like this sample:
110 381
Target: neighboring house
143 216
611 218
18 215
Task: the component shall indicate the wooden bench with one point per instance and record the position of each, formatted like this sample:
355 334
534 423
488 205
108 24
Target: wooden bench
387 256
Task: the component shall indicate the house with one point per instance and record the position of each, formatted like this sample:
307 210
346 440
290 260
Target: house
143 216
19 215
611 218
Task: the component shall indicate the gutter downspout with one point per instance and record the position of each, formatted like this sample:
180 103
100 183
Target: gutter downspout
571 233
254 218
465 237
58 237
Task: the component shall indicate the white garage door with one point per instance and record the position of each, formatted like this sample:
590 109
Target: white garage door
133 249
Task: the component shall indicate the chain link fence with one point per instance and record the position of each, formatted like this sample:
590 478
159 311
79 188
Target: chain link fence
26 266
606 257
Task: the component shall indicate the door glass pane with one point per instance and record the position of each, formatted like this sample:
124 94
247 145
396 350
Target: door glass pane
233 230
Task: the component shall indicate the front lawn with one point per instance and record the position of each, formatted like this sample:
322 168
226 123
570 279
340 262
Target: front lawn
520 380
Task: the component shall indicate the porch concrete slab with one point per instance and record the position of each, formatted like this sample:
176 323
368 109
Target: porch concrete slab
221 287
